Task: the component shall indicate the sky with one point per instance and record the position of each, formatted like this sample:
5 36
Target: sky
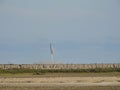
81 31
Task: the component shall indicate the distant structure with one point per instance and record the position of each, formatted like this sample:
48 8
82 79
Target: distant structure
60 66
52 53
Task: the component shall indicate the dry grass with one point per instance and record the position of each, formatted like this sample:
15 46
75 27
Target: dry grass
63 88
59 80
62 78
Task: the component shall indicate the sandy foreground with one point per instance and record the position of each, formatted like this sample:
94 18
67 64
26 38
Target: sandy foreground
59 81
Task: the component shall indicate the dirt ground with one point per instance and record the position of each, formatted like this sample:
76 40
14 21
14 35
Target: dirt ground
64 78
61 81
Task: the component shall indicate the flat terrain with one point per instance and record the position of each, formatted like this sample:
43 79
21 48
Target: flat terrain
61 81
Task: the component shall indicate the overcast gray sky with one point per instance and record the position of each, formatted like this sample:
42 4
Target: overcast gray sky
82 31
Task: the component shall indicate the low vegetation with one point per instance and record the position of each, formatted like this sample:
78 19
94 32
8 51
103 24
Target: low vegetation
41 71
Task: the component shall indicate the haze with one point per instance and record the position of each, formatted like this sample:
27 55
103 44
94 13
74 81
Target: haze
82 31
